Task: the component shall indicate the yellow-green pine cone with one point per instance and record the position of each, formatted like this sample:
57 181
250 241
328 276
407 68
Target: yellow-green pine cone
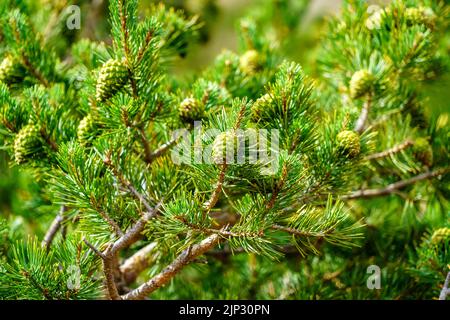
225 147
349 143
420 15
191 109
440 235
10 70
86 130
260 106
28 144
361 83
250 62
423 152
112 78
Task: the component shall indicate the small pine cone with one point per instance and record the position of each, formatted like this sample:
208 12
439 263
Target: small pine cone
361 83
191 109
10 71
423 152
440 236
250 62
349 143
420 15
87 130
225 147
260 106
28 144
112 77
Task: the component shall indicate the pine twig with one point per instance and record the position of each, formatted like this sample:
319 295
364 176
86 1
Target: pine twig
362 120
137 263
370 193
298 232
94 249
445 289
208 205
146 145
171 270
127 184
162 149
396 149
54 228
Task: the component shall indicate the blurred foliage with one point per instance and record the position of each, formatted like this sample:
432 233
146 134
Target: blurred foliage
399 227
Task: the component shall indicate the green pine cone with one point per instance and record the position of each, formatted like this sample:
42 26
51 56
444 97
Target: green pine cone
260 107
10 71
250 62
420 15
191 109
423 152
86 130
28 144
221 152
112 78
361 83
349 143
440 235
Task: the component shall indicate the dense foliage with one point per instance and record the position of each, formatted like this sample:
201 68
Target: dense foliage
252 178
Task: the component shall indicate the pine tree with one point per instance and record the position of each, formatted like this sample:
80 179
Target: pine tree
341 169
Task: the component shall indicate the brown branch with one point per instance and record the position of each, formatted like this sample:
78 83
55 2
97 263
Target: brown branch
127 184
110 255
445 289
109 271
54 228
146 145
162 149
137 263
278 188
49 140
94 249
33 70
208 205
396 149
113 224
362 120
298 232
187 256
142 50
26 61
369 193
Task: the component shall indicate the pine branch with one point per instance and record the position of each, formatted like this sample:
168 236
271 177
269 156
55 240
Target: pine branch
26 61
94 249
370 193
364 115
187 256
148 39
114 226
163 149
396 149
137 263
299 232
127 184
54 228
109 262
208 205
445 289
146 145
278 188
